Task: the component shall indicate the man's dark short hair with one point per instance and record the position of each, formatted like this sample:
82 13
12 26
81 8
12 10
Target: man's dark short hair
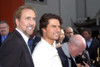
45 18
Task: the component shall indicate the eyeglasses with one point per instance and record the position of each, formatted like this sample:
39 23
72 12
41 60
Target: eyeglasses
68 32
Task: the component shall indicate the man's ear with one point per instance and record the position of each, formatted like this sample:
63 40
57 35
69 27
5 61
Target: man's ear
43 29
17 22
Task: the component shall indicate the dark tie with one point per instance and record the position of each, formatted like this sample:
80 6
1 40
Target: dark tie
30 42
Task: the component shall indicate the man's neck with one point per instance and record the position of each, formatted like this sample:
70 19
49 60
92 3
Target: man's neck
4 35
88 39
49 41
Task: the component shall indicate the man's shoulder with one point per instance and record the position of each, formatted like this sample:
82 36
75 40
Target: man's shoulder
37 39
60 51
96 42
0 36
13 37
59 48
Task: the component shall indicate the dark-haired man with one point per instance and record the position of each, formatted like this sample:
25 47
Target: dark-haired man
68 33
15 51
92 44
45 53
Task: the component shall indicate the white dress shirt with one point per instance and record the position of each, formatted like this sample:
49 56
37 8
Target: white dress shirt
45 55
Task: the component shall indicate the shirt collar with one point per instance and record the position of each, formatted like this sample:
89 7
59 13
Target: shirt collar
66 49
23 35
4 36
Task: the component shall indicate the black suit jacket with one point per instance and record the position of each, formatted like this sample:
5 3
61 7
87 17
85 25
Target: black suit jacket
65 40
0 40
93 49
64 58
14 52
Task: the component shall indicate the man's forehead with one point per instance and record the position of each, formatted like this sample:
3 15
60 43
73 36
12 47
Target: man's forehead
53 22
3 24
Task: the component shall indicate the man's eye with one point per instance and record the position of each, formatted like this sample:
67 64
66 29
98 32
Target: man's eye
53 26
34 19
27 18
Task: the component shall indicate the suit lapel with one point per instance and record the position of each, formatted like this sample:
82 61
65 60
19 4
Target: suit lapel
23 42
24 45
65 49
73 63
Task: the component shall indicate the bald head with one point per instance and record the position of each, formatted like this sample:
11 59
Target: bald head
68 32
76 45
78 40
